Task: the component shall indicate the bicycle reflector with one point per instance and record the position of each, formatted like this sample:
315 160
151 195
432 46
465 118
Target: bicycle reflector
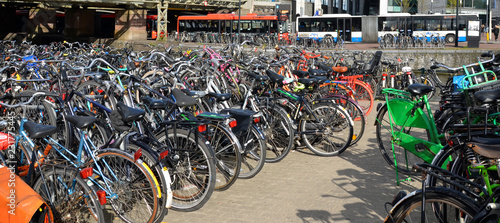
101 194
202 128
232 124
163 154
86 173
256 120
137 155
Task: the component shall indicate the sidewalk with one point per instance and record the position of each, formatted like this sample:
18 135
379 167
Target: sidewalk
483 45
303 187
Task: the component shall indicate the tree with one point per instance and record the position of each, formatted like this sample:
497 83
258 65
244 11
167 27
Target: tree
406 5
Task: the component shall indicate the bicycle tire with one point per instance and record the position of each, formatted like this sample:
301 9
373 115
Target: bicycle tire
136 187
278 130
156 169
338 127
363 95
254 153
385 142
227 150
459 205
80 204
186 195
356 113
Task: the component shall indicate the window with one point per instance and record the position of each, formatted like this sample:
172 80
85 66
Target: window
433 24
356 24
388 24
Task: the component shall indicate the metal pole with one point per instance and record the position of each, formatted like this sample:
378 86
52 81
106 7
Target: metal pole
456 28
488 19
239 20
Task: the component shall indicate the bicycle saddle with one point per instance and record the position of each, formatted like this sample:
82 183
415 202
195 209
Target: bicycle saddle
129 114
308 81
488 147
258 77
38 131
339 69
81 122
155 103
487 96
274 77
300 73
195 94
317 72
182 99
326 68
220 97
419 89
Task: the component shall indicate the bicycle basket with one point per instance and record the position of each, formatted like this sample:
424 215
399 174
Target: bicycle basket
243 119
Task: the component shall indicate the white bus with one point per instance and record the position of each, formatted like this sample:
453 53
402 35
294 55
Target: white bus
334 25
425 25
351 30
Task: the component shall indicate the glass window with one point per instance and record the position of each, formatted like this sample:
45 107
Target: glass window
462 25
447 24
182 26
433 24
356 24
388 24
304 25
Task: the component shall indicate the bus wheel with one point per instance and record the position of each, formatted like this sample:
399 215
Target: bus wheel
450 38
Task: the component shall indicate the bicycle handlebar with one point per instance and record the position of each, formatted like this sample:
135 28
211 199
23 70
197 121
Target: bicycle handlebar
23 103
436 65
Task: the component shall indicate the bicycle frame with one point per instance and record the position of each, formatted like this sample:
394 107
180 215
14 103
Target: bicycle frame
413 116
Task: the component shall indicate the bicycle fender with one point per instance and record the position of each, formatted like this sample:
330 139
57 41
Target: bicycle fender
260 132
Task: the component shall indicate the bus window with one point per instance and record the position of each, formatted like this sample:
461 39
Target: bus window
447 24
388 24
315 26
433 24
274 27
304 25
419 23
228 26
462 24
245 26
182 26
356 24
260 26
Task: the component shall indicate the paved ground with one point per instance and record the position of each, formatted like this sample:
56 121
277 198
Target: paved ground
352 187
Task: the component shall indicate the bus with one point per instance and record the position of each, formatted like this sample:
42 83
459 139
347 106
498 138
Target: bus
425 25
228 23
350 28
330 25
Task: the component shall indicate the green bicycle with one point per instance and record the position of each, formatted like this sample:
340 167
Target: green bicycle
405 130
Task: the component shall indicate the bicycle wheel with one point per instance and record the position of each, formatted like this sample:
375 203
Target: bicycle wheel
278 130
441 205
328 130
356 113
153 163
227 155
386 141
193 169
69 197
363 95
254 154
132 182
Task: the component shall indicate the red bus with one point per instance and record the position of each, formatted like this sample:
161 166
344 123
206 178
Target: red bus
228 23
